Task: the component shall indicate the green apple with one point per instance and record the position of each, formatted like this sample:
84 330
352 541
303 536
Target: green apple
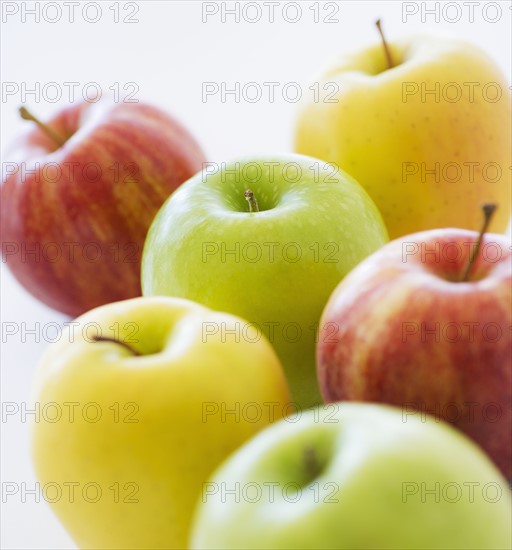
266 238
427 134
355 476
137 406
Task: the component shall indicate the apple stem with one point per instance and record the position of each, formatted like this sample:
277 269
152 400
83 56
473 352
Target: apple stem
488 210
251 200
311 462
113 340
387 51
50 132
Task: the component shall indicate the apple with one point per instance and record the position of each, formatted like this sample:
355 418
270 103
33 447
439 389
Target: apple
412 326
137 406
425 132
79 194
267 238
354 477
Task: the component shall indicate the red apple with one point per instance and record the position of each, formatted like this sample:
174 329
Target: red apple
402 328
78 196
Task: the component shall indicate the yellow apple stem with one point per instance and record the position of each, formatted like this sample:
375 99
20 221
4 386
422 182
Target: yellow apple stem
251 200
387 51
113 340
50 132
488 210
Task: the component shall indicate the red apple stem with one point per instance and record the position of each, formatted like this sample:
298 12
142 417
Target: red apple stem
251 200
488 210
387 51
133 351
50 132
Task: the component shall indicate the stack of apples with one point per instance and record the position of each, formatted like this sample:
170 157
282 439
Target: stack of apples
289 377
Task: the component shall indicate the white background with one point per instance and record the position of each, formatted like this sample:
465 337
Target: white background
168 54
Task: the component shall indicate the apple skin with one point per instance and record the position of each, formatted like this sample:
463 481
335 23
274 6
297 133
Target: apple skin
370 463
371 130
373 346
323 210
89 225
165 442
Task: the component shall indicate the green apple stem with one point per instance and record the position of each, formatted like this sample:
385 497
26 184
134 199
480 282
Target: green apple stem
251 200
50 132
488 210
387 51
313 467
113 340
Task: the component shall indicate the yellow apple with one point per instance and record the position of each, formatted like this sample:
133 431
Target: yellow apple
138 404
428 138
